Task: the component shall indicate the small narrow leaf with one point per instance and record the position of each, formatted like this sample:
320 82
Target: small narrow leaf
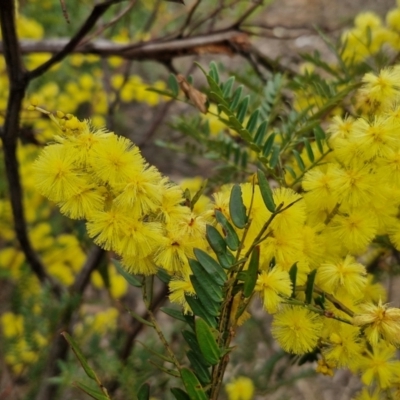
227 88
192 385
252 273
139 318
207 281
198 309
242 109
173 84
291 171
212 306
309 150
266 191
299 160
128 277
310 286
93 393
211 266
253 121
226 259
81 358
155 353
173 313
207 342
293 277
215 239
199 368
214 71
191 340
168 371
237 94
237 209
144 392
275 156
260 134
232 239
179 394
268 145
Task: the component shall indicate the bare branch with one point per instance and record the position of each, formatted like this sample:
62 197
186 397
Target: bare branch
64 11
158 49
97 12
113 21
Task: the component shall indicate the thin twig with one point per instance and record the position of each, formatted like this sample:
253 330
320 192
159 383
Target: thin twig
157 121
64 11
97 11
59 346
112 22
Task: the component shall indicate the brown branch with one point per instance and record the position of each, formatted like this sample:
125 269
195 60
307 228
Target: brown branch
97 11
64 11
158 49
59 346
247 14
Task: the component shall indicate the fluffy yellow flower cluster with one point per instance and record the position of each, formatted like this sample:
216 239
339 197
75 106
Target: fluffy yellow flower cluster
129 206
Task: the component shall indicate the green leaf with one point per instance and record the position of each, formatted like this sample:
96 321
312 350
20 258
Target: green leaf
199 368
237 209
252 272
291 171
214 73
211 266
227 87
207 281
139 318
163 276
81 358
242 109
226 259
237 94
207 342
179 394
198 194
268 145
293 277
309 150
168 371
299 160
173 313
144 392
198 309
260 134
266 191
128 277
320 136
155 353
275 156
191 340
93 393
215 239
192 385
310 286
232 239
212 306
173 84
253 121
